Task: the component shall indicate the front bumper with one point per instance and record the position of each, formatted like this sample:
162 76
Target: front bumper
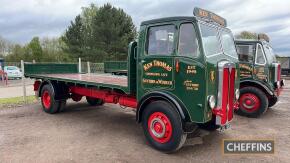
279 87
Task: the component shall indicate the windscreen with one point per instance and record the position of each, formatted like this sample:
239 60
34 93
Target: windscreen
246 53
12 68
270 54
228 43
216 40
210 40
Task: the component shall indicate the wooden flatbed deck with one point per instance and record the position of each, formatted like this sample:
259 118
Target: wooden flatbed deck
105 80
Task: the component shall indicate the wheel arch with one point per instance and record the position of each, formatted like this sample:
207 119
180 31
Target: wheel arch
165 96
258 85
60 89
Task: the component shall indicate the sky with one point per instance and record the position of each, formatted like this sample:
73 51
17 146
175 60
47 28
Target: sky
21 20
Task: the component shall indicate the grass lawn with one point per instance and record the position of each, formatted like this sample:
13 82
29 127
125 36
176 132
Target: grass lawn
17 100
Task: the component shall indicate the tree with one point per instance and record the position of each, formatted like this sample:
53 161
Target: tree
87 16
113 30
99 34
34 50
263 36
252 35
52 50
73 38
247 35
5 46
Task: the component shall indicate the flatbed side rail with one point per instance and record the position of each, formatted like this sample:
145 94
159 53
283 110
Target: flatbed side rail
115 66
49 68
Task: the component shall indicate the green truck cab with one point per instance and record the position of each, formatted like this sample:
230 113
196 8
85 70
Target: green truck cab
260 75
182 74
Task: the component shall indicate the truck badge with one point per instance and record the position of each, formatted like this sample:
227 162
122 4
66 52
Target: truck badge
212 76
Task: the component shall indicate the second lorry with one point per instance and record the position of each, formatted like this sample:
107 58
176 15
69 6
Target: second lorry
261 81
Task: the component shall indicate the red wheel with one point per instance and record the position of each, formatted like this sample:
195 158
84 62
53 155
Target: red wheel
160 127
49 104
250 102
46 99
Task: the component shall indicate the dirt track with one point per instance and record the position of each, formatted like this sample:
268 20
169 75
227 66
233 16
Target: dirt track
110 134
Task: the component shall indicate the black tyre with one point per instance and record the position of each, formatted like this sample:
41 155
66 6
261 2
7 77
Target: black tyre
272 101
162 126
62 105
210 125
253 102
94 101
49 104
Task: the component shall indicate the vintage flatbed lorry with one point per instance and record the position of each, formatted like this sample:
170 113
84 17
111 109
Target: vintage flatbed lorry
260 76
182 74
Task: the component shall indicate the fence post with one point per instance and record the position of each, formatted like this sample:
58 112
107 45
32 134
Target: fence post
80 65
89 67
23 82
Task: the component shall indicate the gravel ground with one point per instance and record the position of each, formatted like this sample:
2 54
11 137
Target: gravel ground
110 134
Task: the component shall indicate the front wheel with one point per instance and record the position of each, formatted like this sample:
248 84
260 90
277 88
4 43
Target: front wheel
253 102
162 126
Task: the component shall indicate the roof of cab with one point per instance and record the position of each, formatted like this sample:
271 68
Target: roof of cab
180 18
168 19
247 41
241 41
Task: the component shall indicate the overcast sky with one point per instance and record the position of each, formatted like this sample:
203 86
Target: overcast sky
20 20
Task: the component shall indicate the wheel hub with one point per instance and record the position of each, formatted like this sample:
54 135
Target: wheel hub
250 102
160 127
157 127
46 99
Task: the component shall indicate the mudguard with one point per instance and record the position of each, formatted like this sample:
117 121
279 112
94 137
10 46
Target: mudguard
162 96
258 84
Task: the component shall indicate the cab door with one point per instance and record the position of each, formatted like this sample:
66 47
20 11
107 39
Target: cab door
156 63
190 71
261 70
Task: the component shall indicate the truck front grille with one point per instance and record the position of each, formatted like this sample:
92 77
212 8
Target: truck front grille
225 105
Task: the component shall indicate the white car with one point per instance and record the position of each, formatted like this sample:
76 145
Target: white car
13 72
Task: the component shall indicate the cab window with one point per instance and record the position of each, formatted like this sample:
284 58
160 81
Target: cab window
260 59
188 44
246 53
160 40
210 40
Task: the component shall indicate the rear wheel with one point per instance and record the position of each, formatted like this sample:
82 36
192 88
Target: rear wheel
62 105
253 102
49 104
94 101
162 126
